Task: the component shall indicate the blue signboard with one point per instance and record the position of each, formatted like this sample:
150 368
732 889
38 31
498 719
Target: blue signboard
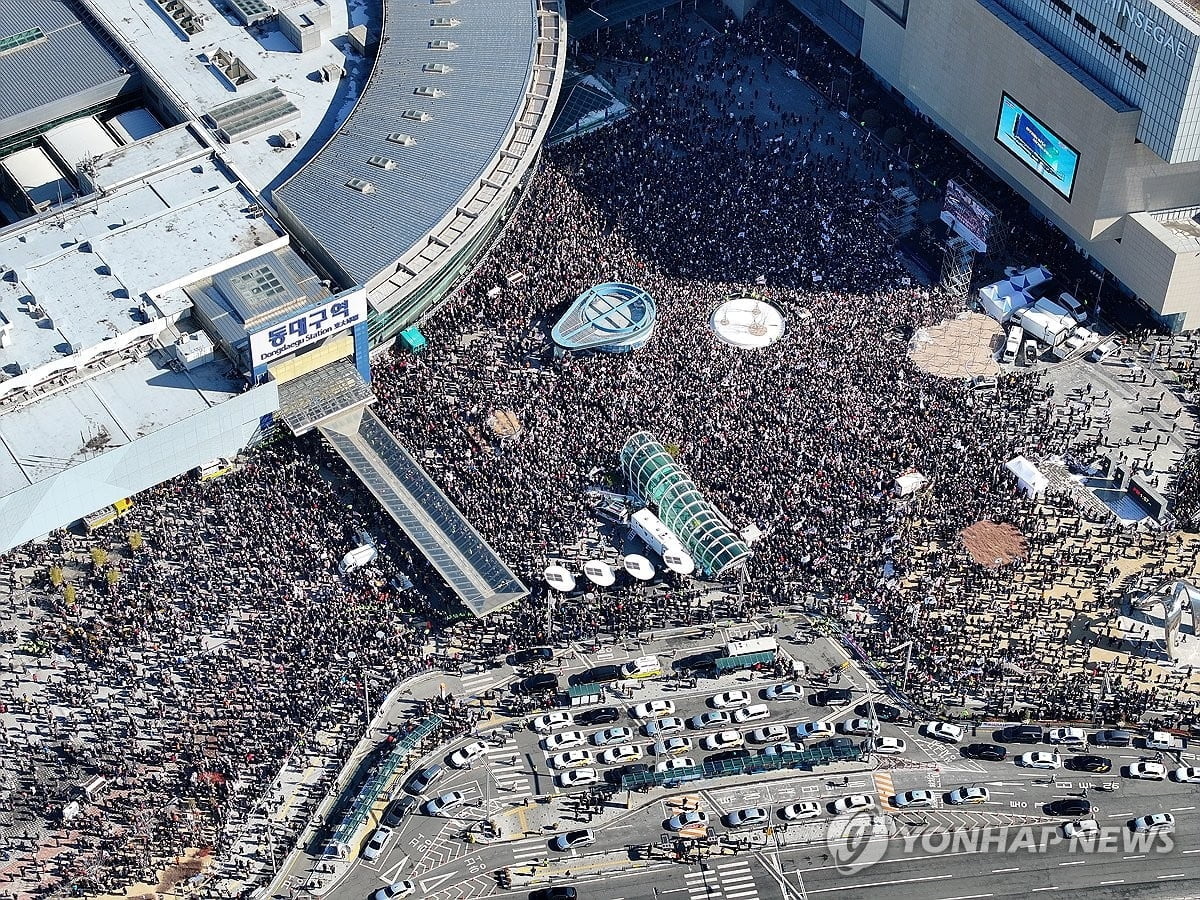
1030 141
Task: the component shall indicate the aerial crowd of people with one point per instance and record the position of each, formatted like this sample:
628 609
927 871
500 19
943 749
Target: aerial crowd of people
227 643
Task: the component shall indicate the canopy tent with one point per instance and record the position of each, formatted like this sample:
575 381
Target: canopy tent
412 339
745 661
1029 479
1002 299
1031 277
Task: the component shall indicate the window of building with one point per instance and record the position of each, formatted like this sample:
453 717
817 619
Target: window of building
1134 63
1061 8
1084 24
1109 43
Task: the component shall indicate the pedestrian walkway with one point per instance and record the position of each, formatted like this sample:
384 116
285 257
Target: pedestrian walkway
737 880
529 851
509 770
886 789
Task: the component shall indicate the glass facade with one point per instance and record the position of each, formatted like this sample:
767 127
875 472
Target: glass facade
654 476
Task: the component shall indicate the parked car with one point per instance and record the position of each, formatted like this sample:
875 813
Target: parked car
674 765
688 819
726 755
536 684
1083 829
1113 737
755 712
710 719
781 747
752 817
620 754
394 891
618 734
989 752
420 781
557 892
858 726
806 731
833 697
945 732
672 746
574 778
1187 774
729 699
443 802
969 794
723 740
1039 759
396 810
1088 763
852 803
615 776
564 740
531 655
887 745
1022 734
571 759
1148 771
1156 823
551 721
768 734
374 848
798 812
596 675
882 711
571 840
785 692
464 756
652 708
665 725
913 799
600 715
1066 736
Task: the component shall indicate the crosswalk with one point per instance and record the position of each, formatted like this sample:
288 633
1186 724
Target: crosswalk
529 851
509 770
479 681
726 881
886 789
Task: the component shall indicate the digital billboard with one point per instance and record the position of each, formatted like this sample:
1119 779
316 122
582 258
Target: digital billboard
967 215
1026 138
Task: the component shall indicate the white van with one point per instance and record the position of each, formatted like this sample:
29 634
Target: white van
1077 309
756 712
642 667
1013 345
1160 740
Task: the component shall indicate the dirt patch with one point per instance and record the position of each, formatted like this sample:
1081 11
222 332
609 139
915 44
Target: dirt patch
994 544
962 347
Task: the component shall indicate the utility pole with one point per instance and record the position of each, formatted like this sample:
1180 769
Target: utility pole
907 647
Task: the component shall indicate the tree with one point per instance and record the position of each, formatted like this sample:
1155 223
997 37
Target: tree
135 541
56 576
69 594
99 557
113 577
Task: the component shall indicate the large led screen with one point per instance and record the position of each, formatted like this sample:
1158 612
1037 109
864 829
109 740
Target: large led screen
1026 138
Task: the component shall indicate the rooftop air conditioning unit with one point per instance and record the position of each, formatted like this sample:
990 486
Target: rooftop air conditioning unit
382 162
360 185
404 140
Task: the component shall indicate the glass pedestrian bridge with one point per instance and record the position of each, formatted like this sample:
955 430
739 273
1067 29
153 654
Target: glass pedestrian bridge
459 553
653 475
612 317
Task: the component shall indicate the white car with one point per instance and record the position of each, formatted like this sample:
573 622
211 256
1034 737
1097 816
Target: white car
1066 736
665 725
806 730
852 803
1039 759
571 839
618 734
858 726
688 819
756 712
768 734
551 721
394 891
1187 774
783 692
622 753
710 719
943 731
378 841
723 740
1082 829
443 802
672 746
798 812
674 765
464 756
752 817
972 794
574 778
571 759
652 708
781 748
729 699
890 745
912 799
1150 771
564 740
1158 823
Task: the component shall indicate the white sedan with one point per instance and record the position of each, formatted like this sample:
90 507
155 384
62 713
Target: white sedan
1187 774
852 803
945 732
464 756
889 745
1039 759
620 754
1149 771
674 765
394 891
1066 736
577 777
1082 829
798 812
912 799
672 746
723 740
730 699
564 740
618 734
571 759
973 794
768 734
551 721
858 726
783 692
689 819
806 730
652 708
1158 823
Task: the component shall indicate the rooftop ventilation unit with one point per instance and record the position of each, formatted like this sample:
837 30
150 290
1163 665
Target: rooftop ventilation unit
442 2
431 92
443 45
382 162
417 115
404 140
436 69
360 185
444 22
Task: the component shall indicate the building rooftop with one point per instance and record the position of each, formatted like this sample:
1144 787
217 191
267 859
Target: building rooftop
50 50
88 417
448 85
199 79
78 275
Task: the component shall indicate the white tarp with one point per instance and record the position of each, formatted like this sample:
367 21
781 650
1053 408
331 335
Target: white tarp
1002 299
1029 479
1031 277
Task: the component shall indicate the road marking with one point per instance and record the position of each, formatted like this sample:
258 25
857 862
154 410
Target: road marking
970 896
1139 856
1114 881
1181 875
1012 869
1077 862
1052 887
1189 851
882 883
1181 808
428 884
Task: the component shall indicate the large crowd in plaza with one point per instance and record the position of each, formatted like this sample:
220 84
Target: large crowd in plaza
230 643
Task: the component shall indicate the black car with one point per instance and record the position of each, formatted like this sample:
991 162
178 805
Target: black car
1112 738
989 752
697 662
601 715
1021 734
832 697
535 684
836 744
614 776
596 675
397 810
883 712
738 753
558 892
1096 764
421 780
531 655
1069 806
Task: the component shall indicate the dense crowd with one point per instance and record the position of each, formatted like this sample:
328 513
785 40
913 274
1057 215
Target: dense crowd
227 644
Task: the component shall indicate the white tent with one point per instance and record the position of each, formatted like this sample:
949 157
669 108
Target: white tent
1031 277
1029 479
1002 299
910 483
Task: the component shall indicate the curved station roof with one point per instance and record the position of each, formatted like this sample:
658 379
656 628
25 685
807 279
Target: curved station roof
612 317
706 534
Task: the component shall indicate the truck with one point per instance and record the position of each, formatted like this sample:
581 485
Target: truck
654 533
107 515
754 645
361 555
1048 327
